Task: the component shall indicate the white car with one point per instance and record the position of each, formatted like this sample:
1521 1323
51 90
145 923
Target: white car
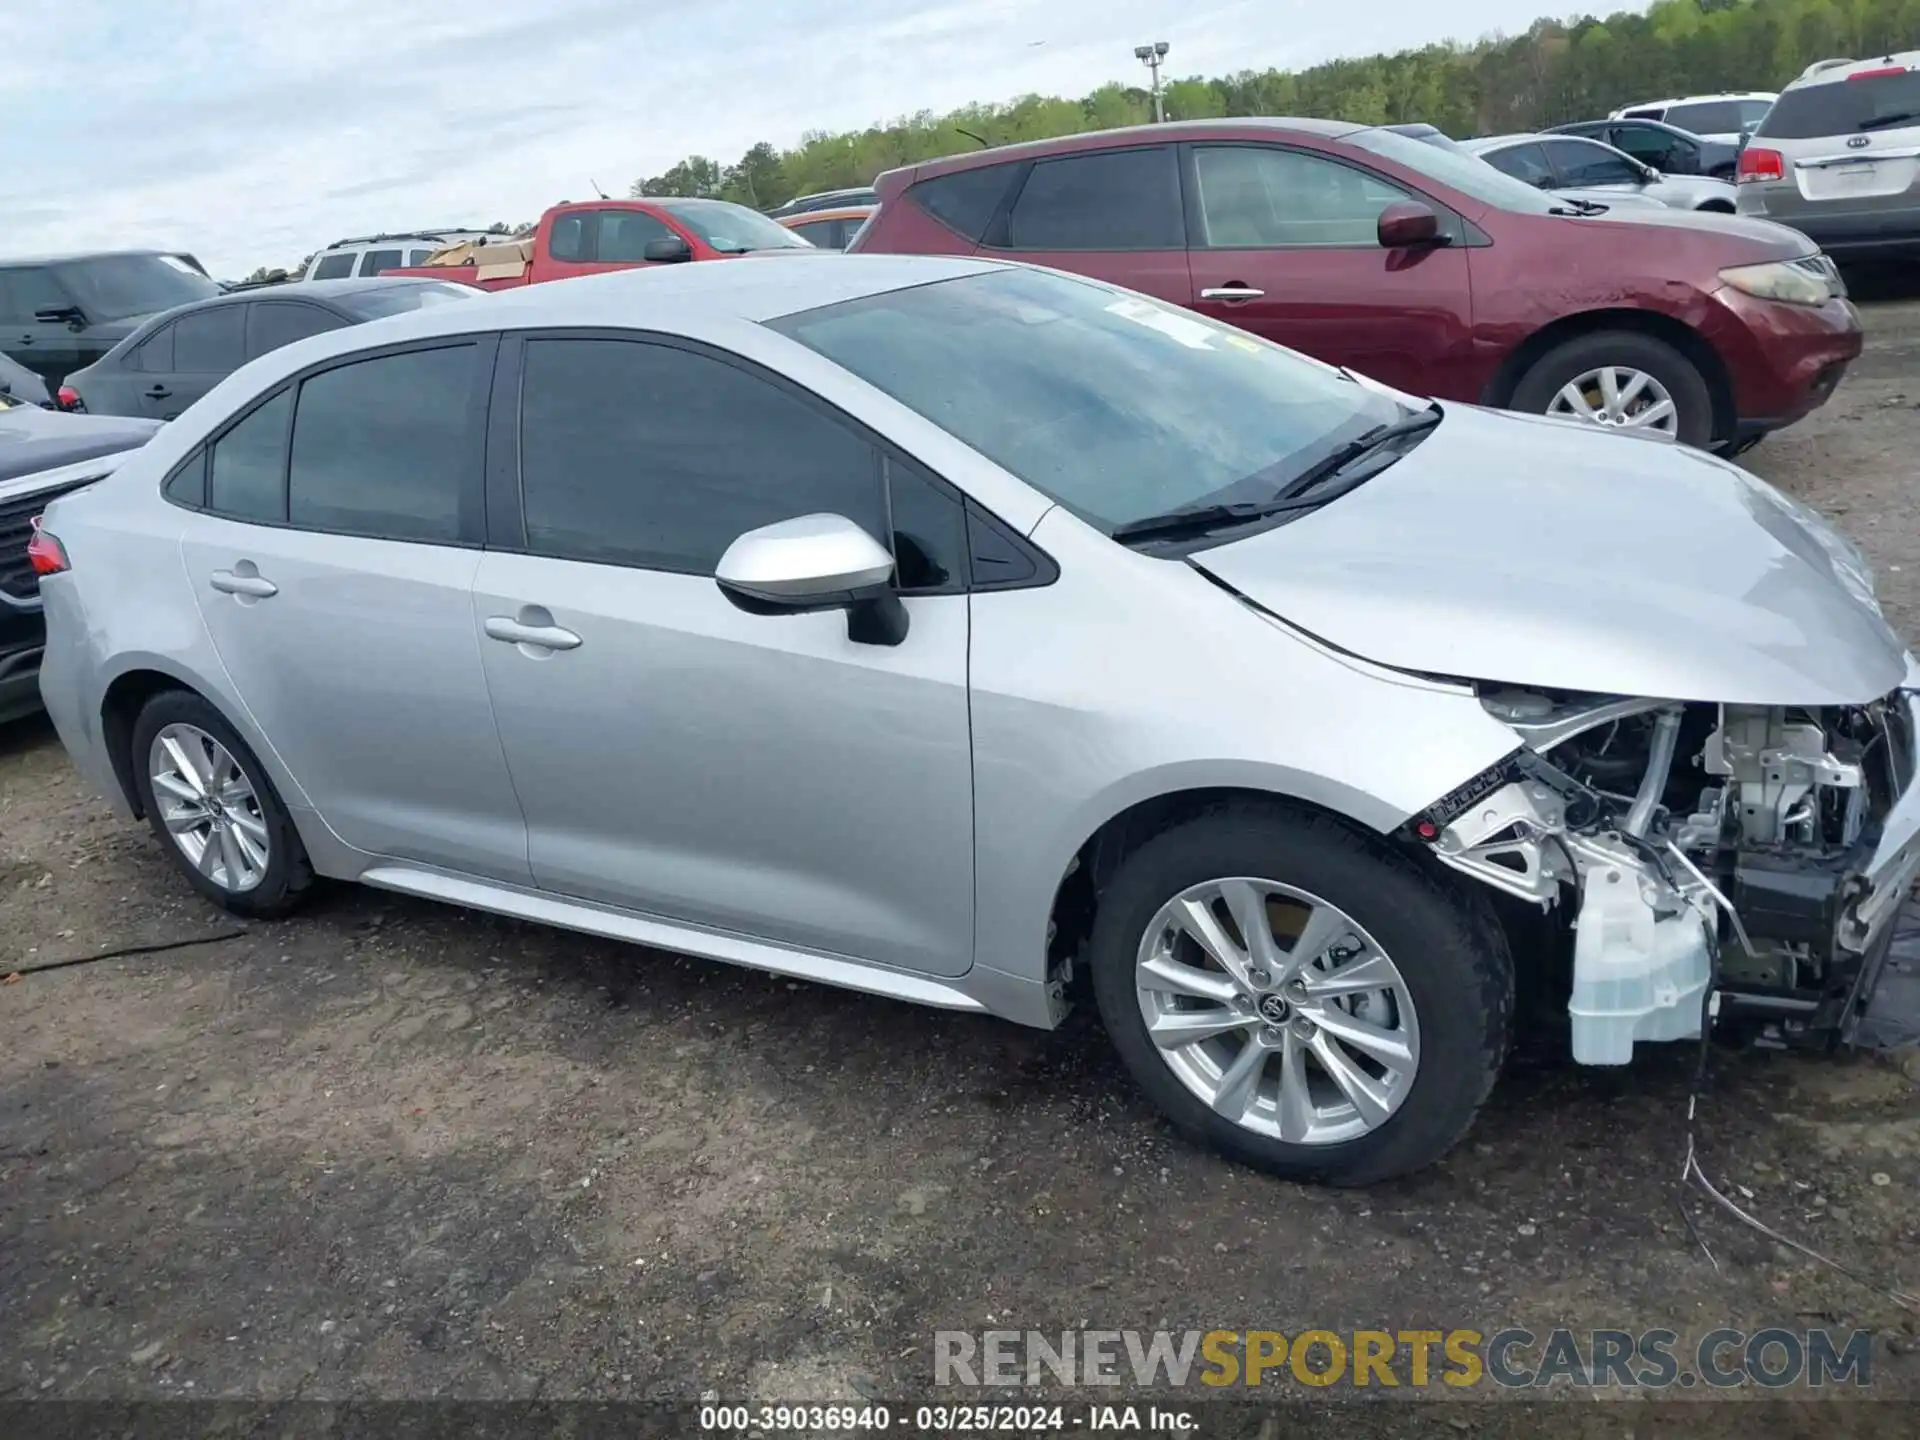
372 254
1727 118
1574 166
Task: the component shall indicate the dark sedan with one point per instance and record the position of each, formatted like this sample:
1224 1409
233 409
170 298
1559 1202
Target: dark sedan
59 312
1667 148
175 358
37 447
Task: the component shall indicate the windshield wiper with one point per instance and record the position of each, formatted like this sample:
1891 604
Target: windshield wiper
1581 208
1881 122
1200 519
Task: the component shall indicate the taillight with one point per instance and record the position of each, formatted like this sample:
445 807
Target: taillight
45 553
1759 163
68 398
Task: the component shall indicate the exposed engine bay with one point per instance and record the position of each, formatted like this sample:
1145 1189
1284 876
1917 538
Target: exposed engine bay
1685 848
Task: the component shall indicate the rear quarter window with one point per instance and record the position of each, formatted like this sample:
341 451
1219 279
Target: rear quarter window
966 200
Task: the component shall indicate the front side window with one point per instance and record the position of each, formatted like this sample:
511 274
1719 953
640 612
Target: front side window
247 475
1102 200
334 267
1587 162
271 325
648 455
374 261
1114 405
212 341
385 447
26 290
733 229
1525 163
624 235
1261 196
1647 145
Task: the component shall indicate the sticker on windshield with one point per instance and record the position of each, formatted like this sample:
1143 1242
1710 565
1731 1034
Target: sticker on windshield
1193 334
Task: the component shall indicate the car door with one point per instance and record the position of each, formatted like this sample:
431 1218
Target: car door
199 350
1285 243
52 349
333 563
1111 214
762 775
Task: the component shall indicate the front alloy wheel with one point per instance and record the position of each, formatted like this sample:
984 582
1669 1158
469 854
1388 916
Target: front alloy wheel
1620 398
1277 1010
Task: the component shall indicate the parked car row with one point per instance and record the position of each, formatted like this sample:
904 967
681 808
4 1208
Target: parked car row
1321 735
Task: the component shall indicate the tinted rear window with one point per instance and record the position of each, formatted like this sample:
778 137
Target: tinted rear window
1103 200
1840 107
964 201
1716 117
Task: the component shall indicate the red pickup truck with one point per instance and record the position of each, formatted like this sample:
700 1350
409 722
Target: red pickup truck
587 237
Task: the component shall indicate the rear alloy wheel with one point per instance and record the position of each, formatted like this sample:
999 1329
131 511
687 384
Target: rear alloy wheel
1299 995
212 805
1620 380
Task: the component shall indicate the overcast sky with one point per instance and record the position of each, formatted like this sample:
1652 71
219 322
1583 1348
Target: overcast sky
254 131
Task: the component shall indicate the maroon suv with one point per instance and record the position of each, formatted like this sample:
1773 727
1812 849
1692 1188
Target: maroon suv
1425 268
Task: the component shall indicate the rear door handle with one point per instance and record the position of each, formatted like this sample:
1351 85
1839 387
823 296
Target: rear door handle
259 587
546 637
1232 291
158 392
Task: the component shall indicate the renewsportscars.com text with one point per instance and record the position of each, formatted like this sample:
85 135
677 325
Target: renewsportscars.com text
1772 1358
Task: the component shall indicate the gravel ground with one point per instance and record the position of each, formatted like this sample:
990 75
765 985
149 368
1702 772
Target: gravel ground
390 1149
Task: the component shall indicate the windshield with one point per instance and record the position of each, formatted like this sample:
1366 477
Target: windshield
733 229
1716 117
398 299
1115 405
1454 166
1841 107
114 287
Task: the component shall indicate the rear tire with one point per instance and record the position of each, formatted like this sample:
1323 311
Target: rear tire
1579 364
214 809
1446 994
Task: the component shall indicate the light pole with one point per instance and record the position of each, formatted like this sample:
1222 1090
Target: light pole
1151 56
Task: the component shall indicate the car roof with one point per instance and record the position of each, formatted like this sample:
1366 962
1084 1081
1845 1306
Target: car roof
1098 139
68 257
1832 71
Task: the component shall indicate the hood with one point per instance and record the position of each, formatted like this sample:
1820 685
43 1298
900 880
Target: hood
32 439
1541 553
1769 240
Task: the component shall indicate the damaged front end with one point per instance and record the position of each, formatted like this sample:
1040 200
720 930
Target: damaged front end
1759 851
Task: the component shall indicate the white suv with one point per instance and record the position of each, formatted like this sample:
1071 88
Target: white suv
1725 118
371 254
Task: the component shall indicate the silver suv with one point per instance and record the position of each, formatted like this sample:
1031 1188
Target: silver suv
1838 158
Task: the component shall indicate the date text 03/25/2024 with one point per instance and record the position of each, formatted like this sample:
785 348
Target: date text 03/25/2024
945 1419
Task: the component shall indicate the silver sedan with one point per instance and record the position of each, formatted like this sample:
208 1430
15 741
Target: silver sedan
1584 169
995 639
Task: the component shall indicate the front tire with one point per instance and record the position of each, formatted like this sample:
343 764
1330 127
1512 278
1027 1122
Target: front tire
1620 380
214 810
1300 997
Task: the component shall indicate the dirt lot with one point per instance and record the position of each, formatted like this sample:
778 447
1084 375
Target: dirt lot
390 1149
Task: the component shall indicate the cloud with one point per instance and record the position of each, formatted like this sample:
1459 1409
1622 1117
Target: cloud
252 134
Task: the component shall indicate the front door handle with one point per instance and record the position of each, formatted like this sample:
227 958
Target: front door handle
233 583
1232 290
545 637
158 392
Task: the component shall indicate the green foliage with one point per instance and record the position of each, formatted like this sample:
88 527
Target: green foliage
1557 71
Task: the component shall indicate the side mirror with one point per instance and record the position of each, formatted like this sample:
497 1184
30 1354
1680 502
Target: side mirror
60 315
816 562
1648 174
667 250
1407 223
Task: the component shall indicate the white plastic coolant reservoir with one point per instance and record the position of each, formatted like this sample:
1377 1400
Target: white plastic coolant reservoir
1636 976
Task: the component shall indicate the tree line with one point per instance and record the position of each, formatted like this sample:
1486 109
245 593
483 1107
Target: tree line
1559 70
